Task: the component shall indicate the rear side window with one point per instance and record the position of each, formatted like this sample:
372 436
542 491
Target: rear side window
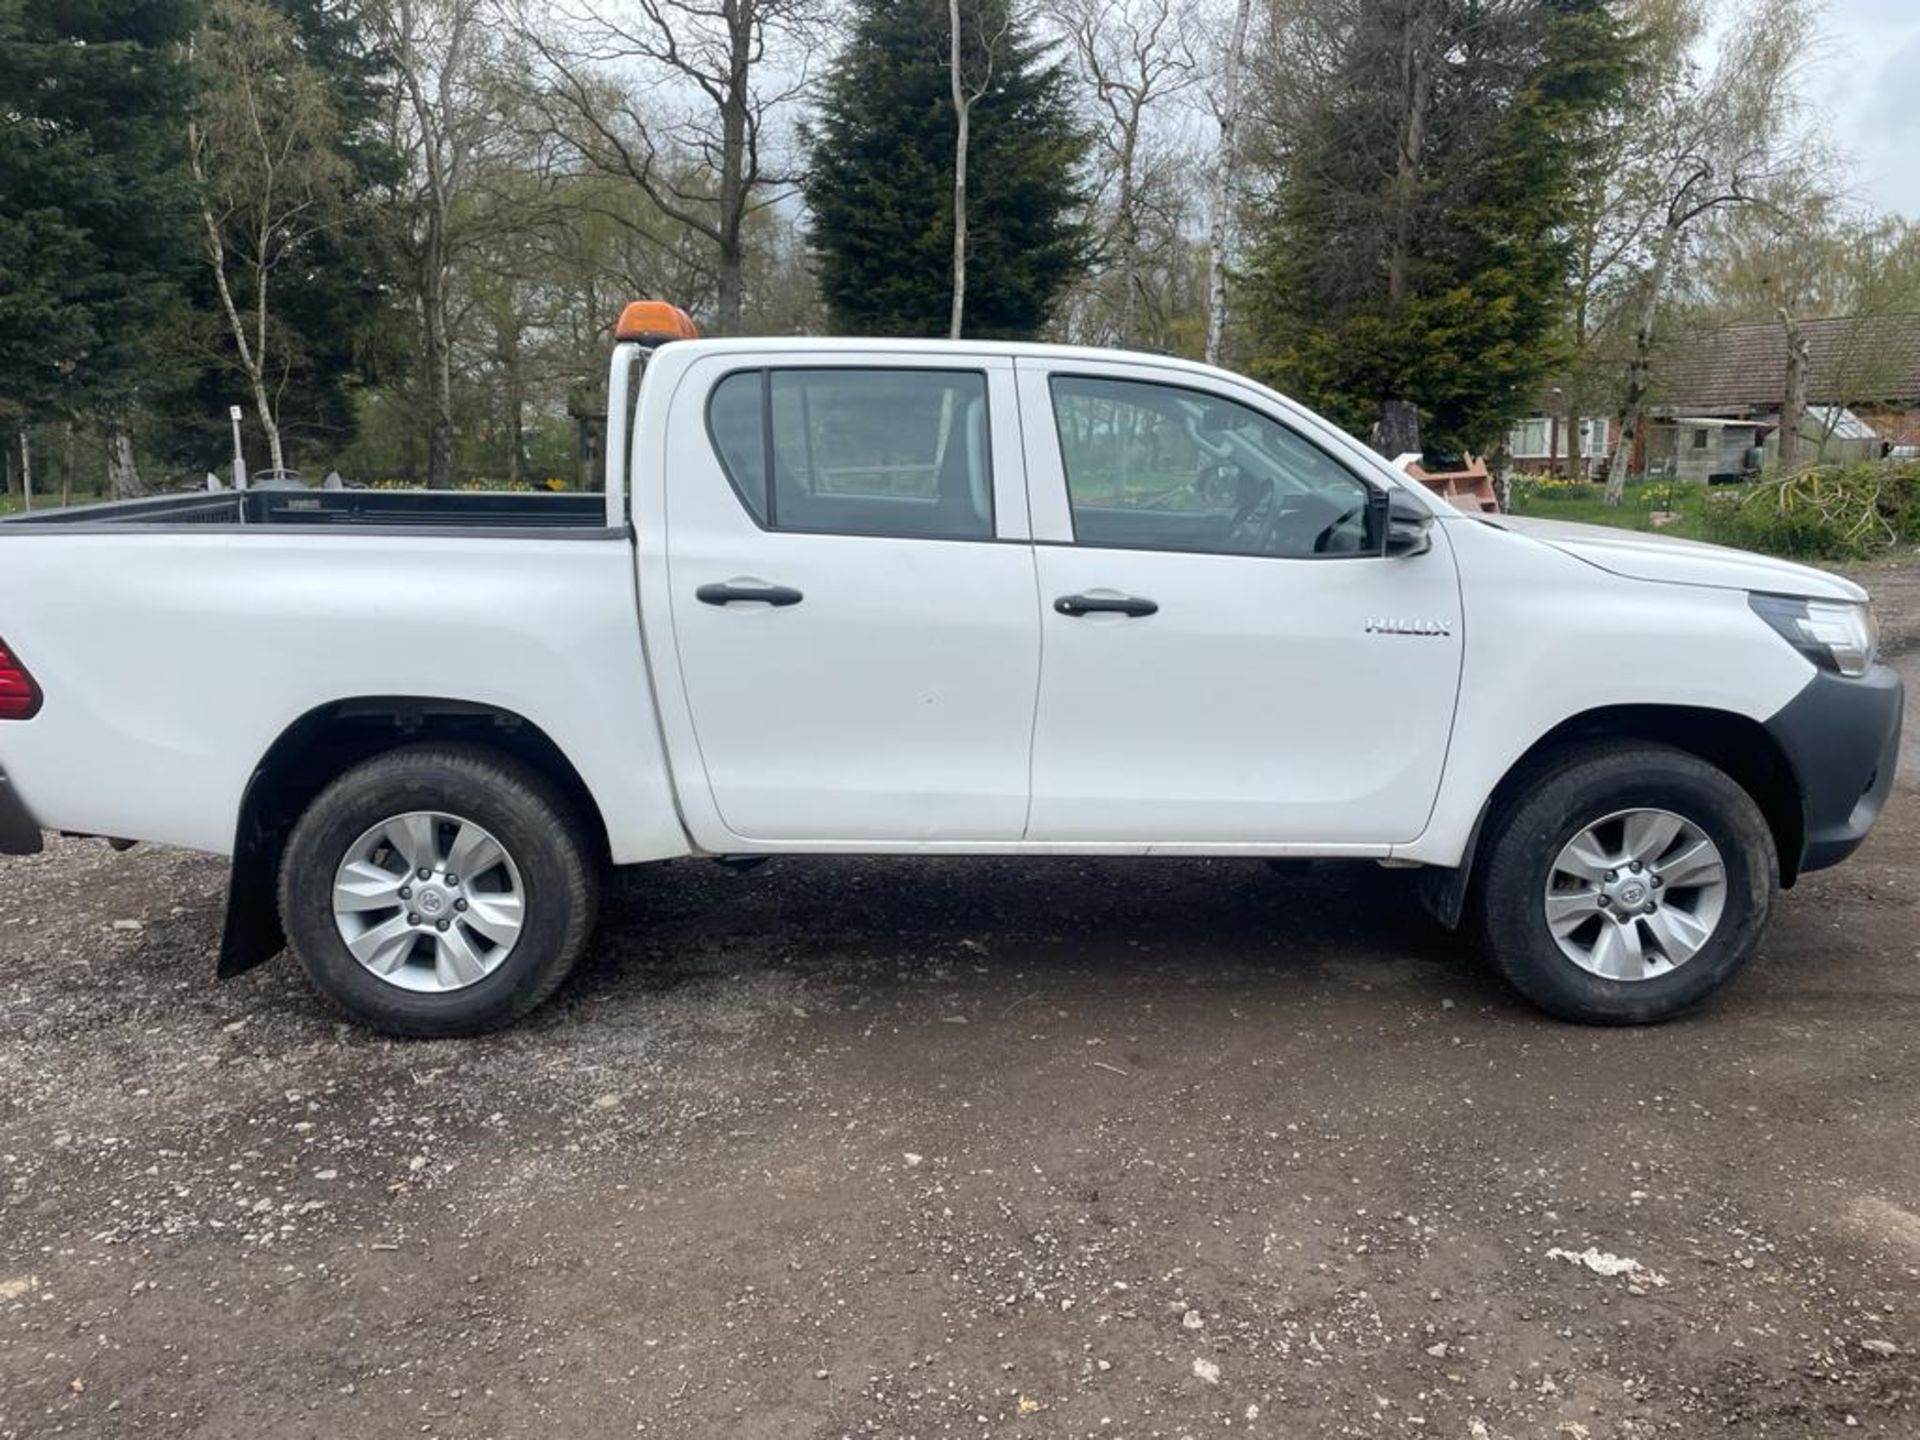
858 452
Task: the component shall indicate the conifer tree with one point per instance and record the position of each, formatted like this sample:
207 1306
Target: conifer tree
1416 248
881 182
94 205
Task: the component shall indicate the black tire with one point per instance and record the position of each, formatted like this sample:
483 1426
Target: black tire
531 819
1576 791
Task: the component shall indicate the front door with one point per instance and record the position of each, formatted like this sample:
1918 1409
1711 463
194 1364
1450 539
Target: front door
1229 658
859 651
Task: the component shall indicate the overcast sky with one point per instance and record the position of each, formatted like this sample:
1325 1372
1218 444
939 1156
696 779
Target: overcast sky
1867 79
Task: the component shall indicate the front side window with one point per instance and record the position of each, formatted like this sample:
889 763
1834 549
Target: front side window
1162 467
858 452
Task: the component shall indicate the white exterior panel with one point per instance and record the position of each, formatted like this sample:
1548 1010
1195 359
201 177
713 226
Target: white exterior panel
1550 637
171 662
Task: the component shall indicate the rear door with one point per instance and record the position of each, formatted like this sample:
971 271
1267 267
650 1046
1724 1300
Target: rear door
852 596
1229 657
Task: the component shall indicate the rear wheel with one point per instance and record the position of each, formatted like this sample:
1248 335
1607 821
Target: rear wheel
1628 884
438 890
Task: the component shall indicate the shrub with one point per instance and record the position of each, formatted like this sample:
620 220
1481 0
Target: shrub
1825 512
1548 489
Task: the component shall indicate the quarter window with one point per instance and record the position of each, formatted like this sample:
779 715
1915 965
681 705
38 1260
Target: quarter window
1161 467
858 452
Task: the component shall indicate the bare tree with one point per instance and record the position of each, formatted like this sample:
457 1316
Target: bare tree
966 94
1811 253
510 292
1221 225
1704 142
1793 406
262 149
448 110
1418 28
1134 56
704 164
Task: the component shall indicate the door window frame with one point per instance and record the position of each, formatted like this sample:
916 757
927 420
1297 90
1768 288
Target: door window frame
1050 494
772 525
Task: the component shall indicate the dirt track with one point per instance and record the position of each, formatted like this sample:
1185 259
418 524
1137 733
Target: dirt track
971 1148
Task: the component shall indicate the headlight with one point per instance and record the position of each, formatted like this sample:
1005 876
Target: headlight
1836 635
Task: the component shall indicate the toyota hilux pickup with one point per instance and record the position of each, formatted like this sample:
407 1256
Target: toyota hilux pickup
911 597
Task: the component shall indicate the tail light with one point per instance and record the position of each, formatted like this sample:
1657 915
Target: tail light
19 694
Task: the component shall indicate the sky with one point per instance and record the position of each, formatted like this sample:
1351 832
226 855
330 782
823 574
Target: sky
1867 80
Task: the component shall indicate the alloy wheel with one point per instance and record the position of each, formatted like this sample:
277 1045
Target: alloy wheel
429 902
1636 894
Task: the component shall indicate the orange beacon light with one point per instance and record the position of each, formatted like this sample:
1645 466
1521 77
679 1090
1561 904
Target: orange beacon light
654 322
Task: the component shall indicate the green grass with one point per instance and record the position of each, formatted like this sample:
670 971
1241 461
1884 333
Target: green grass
1586 505
11 504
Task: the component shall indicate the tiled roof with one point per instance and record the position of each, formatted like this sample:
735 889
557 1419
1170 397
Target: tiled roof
1854 360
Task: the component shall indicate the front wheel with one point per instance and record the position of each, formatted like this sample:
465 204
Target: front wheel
1628 884
438 890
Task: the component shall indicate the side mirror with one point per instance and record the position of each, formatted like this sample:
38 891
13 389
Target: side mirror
1407 523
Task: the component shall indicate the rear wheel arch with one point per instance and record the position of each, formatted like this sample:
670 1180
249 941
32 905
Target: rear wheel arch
332 738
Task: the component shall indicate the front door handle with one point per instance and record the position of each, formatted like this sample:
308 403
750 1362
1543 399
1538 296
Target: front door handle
735 592
1132 605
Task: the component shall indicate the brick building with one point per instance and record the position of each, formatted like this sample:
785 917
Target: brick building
1717 396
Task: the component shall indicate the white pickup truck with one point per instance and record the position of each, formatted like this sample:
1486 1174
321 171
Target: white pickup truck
856 596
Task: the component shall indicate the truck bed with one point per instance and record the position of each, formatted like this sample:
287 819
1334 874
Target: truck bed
413 511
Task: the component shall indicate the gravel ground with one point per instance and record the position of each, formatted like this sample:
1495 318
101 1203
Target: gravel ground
969 1148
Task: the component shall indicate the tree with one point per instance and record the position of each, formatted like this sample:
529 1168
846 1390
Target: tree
702 161
268 176
1134 57
1703 142
882 183
966 94
1793 406
1221 207
450 73
94 205
343 301
1806 253
1416 246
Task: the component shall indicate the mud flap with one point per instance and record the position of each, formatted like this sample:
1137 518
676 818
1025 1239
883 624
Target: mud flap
1443 891
252 935
19 831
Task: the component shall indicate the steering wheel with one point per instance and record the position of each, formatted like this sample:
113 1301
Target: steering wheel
1306 510
1251 496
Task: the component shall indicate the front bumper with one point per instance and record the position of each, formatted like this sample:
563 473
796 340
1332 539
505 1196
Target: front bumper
1842 738
19 832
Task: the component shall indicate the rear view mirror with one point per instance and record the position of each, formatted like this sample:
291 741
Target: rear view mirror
1407 523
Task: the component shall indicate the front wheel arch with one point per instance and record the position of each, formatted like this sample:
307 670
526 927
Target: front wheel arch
1584 791
1732 743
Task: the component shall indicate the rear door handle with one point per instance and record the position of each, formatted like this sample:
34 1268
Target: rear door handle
737 592
1132 605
